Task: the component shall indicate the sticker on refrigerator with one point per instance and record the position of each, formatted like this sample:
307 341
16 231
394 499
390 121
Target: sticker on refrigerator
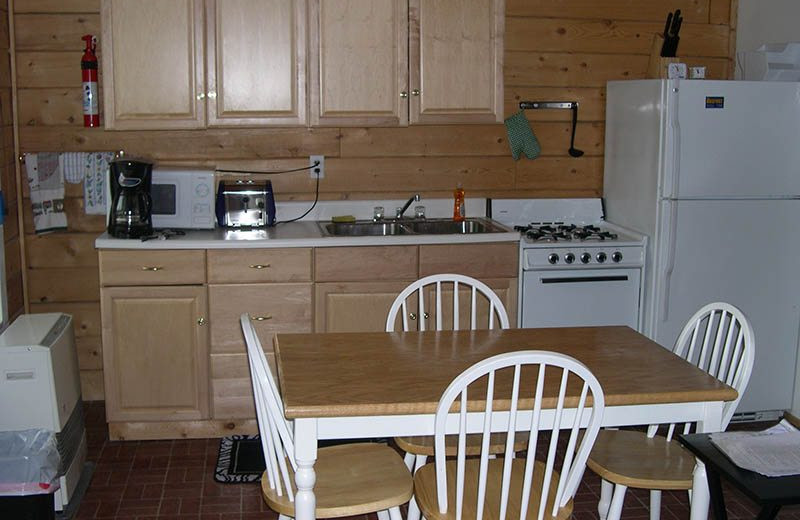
715 102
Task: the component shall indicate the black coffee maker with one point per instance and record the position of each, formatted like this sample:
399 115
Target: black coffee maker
131 206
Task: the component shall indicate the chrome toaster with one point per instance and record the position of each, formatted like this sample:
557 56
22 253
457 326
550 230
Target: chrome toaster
245 204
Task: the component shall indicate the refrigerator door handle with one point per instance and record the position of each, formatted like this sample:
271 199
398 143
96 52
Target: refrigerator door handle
673 141
669 265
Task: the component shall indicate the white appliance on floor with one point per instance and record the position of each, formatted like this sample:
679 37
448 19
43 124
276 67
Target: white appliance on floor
40 388
576 269
710 171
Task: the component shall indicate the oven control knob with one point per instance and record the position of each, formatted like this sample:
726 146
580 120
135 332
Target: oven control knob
586 258
553 258
601 257
616 256
569 258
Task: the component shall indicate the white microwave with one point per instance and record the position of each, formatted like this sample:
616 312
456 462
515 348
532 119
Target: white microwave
182 198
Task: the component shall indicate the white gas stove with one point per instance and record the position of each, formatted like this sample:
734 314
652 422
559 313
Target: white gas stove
576 269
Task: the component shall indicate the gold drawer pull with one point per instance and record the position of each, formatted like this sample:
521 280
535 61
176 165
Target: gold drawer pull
152 268
261 318
259 266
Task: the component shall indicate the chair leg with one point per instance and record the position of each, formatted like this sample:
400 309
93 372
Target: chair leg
394 513
413 510
409 460
655 504
420 461
606 491
383 515
615 510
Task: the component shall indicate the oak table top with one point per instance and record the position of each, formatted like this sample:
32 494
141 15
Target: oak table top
361 374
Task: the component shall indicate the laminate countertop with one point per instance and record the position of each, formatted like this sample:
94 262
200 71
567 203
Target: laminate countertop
294 234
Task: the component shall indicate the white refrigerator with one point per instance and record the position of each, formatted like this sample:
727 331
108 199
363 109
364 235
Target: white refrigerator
710 171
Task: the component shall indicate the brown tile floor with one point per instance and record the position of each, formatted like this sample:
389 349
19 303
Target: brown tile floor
148 480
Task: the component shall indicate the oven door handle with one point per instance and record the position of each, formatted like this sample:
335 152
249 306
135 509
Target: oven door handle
585 279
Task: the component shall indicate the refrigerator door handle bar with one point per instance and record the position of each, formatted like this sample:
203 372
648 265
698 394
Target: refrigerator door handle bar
669 267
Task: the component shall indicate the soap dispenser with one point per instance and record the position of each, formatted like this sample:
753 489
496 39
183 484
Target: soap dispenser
459 211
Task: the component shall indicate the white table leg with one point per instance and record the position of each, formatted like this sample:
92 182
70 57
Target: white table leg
712 422
305 453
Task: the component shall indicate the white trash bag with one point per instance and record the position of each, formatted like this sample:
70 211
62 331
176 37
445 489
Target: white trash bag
29 462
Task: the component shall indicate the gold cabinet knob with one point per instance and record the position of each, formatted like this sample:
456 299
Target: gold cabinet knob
201 95
212 95
404 94
261 318
415 92
201 321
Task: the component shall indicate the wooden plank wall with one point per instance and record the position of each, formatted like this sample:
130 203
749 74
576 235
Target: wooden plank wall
554 50
8 177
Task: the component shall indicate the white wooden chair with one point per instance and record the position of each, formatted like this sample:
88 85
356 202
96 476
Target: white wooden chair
718 339
351 479
510 487
419 448
440 283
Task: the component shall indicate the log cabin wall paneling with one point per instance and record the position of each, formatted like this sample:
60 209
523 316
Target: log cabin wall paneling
8 178
554 49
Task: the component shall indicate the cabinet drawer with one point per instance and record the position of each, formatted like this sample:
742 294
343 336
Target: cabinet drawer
499 260
231 387
273 308
127 267
353 264
259 265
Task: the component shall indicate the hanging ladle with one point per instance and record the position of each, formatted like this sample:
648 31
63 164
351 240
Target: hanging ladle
573 105
574 152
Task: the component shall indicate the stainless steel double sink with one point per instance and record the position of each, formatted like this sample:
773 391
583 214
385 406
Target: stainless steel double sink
361 228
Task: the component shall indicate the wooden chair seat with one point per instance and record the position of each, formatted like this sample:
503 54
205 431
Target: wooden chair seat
632 459
352 479
423 445
425 490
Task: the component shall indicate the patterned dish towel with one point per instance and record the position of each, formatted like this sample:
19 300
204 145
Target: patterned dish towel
94 182
46 181
521 138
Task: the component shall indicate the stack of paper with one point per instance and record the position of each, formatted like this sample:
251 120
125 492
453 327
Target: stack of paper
775 452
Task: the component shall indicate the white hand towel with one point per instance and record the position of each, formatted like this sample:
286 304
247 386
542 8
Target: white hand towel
46 181
73 164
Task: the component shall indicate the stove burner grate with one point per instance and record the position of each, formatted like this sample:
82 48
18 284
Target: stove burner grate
557 232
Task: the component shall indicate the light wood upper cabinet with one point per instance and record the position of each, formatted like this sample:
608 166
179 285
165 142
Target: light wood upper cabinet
155 56
456 55
359 62
153 64
256 61
390 62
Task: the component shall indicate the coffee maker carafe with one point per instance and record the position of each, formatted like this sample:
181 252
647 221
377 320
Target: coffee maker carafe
130 213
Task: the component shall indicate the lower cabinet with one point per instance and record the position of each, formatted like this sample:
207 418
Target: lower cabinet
155 353
272 307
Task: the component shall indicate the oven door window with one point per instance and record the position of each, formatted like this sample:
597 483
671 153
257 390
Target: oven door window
165 199
580 298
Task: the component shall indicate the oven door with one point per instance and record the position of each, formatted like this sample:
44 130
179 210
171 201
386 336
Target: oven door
580 297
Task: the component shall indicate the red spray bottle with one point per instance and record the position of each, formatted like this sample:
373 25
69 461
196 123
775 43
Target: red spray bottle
91 107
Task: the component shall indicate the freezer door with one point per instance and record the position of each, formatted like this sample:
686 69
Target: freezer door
745 253
732 139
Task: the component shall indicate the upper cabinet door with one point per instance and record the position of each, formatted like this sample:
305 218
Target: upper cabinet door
359 62
153 69
256 59
456 56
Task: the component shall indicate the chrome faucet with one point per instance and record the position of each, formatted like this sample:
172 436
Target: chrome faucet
400 211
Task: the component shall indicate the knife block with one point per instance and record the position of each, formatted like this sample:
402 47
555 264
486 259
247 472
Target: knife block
657 65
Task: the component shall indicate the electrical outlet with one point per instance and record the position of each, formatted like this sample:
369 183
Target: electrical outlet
319 170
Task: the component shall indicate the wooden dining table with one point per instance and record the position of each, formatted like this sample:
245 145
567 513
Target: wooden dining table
364 385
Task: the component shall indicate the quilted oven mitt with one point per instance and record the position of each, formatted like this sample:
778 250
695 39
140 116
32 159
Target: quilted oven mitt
521 138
